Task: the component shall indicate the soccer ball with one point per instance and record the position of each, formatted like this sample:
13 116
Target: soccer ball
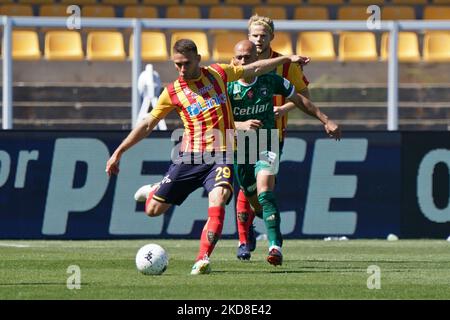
152 259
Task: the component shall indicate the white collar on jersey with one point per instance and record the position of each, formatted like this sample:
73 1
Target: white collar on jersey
248 84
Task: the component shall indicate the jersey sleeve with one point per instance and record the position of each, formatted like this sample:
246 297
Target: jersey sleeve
232 72
296 77
283 86
163 107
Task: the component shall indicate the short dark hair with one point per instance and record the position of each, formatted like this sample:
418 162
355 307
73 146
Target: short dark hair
184 46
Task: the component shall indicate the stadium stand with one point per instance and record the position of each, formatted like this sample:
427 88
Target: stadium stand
436 12
226 12
316 44
63 45
153 46
53 10
16 10
201 2
79 2
398 13
408 47
239 2
105 46
183 12
160 2
143 12
326 2
409 2
357 46
98 11
120 2
352 13
224 44
367 2
282 2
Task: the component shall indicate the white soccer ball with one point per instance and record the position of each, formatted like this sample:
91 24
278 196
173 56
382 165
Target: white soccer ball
152 259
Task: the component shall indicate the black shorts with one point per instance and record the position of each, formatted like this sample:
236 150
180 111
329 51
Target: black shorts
182 179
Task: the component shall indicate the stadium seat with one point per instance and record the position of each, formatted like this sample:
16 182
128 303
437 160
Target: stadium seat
153 46
409 1
98 11
367 2
224 44
79 2
120 2
282 2
274 12
240 2
161 2
226 12
436 12
353 13
357 46
16 10
398 13
282 43
105 45
441 2
201 2
311 13
147 12
325 2
53 10
35 1
183 12
408 47
199 37
25 45
318 45
63 45
436 46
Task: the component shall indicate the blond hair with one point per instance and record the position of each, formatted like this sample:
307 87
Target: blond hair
266 22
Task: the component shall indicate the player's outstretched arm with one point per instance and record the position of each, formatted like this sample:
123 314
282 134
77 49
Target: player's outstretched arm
261 67
141 131
306 105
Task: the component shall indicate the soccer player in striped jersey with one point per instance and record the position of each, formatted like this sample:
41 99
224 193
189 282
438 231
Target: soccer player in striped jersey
200 98
261 33
252 103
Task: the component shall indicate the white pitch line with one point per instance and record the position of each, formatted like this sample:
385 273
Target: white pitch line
14 245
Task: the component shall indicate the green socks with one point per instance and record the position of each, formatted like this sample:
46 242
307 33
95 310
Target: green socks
271 217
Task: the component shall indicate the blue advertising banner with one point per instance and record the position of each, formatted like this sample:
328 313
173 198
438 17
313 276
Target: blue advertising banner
53 185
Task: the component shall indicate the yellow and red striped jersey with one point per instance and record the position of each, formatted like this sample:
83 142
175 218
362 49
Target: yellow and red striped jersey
203 106
294 73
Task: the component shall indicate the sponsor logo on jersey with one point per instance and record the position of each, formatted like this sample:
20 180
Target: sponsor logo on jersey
197 107
255 109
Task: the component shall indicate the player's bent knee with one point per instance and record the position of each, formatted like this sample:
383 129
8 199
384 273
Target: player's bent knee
219 196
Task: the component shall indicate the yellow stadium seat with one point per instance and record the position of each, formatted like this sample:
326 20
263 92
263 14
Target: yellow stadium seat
199 37
318 45
120 2
357 46
436 46
98 11
153 46
441 1
53 10
398 13
353 13
79 2
161 2
409 1
183 12
283 2
36 1
16 10
223 47
226 12
201 2
408 47
325 2
311 13
282 43
273 12
147 12
25 45
436 13
240 2
105 45
367 2
63 45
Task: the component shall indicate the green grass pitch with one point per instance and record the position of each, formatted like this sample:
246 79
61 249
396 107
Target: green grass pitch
312 269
